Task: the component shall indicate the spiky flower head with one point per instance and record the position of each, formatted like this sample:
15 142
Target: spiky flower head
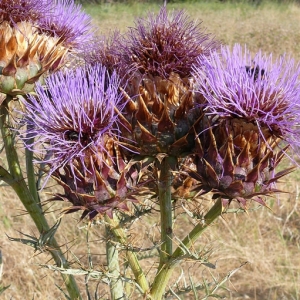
69 23
115 184
238 85
105 50
25 57
73 117
252 108
75 125
161 49
35 37
25 54
166 43
15 11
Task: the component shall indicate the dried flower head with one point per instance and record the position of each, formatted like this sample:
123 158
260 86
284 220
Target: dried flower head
166 43
67 22
251 112
25 57
29 51
72 116
162 118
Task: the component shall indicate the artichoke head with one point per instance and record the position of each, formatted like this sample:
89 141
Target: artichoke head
25 57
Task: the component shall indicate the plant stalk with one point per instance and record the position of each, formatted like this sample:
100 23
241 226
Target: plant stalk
165 272
31 178
112 256
165 204
133 262
16 180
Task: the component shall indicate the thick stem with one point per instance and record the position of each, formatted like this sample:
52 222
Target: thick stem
16 180
133 262
112 256
165 204
165 272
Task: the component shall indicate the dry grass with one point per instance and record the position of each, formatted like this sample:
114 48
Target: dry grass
274 28
268 239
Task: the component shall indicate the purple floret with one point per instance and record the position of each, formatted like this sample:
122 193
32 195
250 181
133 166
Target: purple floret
14 11
105 50
69 23
165 43
254 88
71 117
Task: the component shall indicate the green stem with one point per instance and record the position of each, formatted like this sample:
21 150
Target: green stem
133 262
165 272
16 180
165 204
31 179
190 239
112 255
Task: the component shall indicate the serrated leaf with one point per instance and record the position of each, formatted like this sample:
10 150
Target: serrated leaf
2 289
209 265
27 242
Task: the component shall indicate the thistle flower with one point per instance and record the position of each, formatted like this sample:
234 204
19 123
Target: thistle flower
76 130
166 43
267 96
73 116
35 37
15 11
67 22
252 108
161 114
105 50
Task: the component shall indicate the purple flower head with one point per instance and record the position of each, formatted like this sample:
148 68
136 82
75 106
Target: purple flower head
166 43
236 85
106 51
72 116
15 11
69 23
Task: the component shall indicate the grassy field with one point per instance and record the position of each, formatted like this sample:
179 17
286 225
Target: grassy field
268 239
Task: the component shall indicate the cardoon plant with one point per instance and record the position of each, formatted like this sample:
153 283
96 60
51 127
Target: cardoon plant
158 115
29 54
